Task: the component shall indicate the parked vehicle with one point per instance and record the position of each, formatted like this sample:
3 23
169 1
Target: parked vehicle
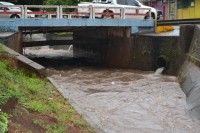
12 12
111 11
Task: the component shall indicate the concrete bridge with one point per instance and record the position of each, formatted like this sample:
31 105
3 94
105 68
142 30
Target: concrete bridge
91 34
72 24
71 19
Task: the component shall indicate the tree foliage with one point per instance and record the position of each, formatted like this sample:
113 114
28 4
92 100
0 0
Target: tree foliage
26 2
46 2
58 2
63 2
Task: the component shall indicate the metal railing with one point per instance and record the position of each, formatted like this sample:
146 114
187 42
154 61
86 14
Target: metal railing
44 10
178 22
55 11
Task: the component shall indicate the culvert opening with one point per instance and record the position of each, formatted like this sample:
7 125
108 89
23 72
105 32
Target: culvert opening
162 62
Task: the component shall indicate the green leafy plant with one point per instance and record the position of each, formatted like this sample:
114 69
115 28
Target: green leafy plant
1 50
3 122
54 128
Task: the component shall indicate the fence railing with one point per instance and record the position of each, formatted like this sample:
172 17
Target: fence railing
55 11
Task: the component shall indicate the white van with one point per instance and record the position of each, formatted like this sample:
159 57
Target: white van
11 12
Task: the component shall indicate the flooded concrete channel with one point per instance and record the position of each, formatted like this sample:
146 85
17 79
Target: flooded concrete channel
118 100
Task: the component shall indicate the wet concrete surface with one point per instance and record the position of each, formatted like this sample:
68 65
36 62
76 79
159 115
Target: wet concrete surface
116 100
6 34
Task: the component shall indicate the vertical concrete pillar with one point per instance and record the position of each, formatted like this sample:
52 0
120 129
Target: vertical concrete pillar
109 46
186 35
14 42
119 48
184 43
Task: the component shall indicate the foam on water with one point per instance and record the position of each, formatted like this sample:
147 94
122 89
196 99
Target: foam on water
46 51
159 71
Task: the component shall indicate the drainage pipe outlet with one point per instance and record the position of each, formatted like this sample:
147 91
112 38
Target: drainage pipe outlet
162 61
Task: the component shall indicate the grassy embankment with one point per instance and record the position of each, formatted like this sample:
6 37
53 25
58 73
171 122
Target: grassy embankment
29 103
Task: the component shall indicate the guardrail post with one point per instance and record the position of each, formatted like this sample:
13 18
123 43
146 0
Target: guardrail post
150 13
91 11
61 12
49 16
25 11
122 13
57 12
22 11
69 16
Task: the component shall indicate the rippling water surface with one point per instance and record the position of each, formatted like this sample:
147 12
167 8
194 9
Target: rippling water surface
116 100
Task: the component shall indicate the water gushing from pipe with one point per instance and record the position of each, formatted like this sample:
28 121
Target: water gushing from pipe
70 47
159 71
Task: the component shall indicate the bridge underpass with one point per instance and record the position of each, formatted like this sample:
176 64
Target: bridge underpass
106 30
97 42
109 29
66 39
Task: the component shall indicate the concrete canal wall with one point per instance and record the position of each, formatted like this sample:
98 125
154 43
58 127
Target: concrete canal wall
118 48
12 40
12 44
148 49
189 74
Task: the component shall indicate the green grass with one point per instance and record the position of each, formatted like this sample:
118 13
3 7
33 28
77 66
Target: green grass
55 128
35 94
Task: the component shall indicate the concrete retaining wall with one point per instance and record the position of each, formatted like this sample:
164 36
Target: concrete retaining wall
24 62
118 48
147 48
189 74
12 40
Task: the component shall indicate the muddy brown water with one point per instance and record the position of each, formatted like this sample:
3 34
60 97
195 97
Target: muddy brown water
116 100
